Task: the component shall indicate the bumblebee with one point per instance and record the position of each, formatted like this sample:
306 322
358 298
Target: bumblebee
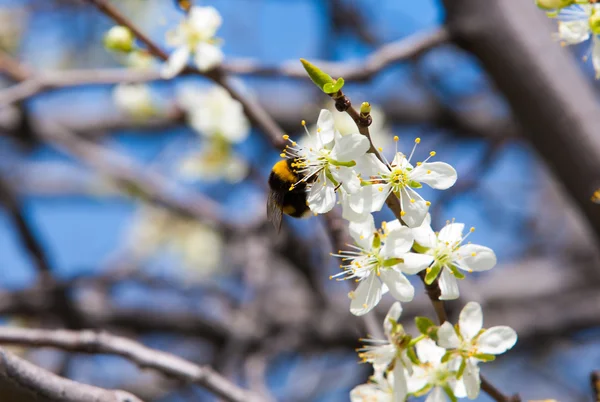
288 192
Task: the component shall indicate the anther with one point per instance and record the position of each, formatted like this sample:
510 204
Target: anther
286 137
412 200
417 140
380 189
304 122
282 154
402 213
429 172
428 203
419 163
472 229
432 153
396 138
473 254
380 149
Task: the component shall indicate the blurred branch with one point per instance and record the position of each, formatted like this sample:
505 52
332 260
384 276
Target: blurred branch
595 380
51 387
553 101
104 343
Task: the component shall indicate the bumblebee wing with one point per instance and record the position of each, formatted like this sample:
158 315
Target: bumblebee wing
275 208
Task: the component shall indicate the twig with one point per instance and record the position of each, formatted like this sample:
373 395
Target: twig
51 387
495 393
104 343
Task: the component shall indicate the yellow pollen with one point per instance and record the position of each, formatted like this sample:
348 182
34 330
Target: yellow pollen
291 187
282 154
319 130
412 200
472 229
286 137
432 153
315 214
365 305
351 295
402 213
396 138
304 122
417 140
380 149
362 237
470 271
428 270
429 172
473 254
330 277
380 189
294 143
419 163
428 203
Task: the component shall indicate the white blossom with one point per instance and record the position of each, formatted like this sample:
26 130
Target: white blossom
194 37
326 160
448 255
390 352
134 99
473 344
215 161
576 24
402 179
379 261
213 112
379 389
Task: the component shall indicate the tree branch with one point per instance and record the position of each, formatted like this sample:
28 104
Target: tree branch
103 343
52 387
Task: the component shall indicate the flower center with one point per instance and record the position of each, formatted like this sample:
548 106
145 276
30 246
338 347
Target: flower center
443 254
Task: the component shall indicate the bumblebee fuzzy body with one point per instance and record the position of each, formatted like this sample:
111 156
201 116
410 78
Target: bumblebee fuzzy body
287 195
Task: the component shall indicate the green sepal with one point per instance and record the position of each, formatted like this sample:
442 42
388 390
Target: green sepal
390 262
449 392
333 87
423 391
424 325
456 272
317 75
414 184
461 369
330 177
433 273
418 248
486 357
376 241
447 356
412 355
339 163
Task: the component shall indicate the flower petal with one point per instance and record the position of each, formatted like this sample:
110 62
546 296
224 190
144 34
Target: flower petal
176 62
448 285
438 175
369 198
399 287
348 212
451 233
204 21
400 387
397 242
393 315
447 337
366 296
470 320
497 340
325 127
472 257
414 263
437 394
321 198
347 178
362 231
414 207
429 352
573 32
350 147
471 379
368 393
424 234
207 56
369 166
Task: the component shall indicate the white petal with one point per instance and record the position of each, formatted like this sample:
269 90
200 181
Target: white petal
369 198
471 379
399 287
472 257
437 394
470 320
205 21
447 337
451 233
176 62
418 380
325 127
393 315
366 296
429 352
596 56
350 147
321 198
362 231
348 212
424 234
448 285
497 340
397 242
369 165
207 56
347 178
573 32
368 393
414 263
414 212
400 387
438 175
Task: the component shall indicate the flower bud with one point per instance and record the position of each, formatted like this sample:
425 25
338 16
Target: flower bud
119 38
553 4
365 108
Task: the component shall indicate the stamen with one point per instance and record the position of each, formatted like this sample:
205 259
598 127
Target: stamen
286 137
417 141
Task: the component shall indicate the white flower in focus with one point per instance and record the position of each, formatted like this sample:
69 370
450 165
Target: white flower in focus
194 37
390 352
214 112
576 24
400 178
473 345
134 99
432 376
379 263
326 160
448 255
379 389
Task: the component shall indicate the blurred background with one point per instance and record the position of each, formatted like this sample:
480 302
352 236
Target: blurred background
114 247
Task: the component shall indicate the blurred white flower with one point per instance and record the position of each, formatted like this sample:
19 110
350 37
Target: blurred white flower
194 37
379 389
379 262
214 112
12 26
215 161
473 345
140 59
134 99
156 230
448 254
